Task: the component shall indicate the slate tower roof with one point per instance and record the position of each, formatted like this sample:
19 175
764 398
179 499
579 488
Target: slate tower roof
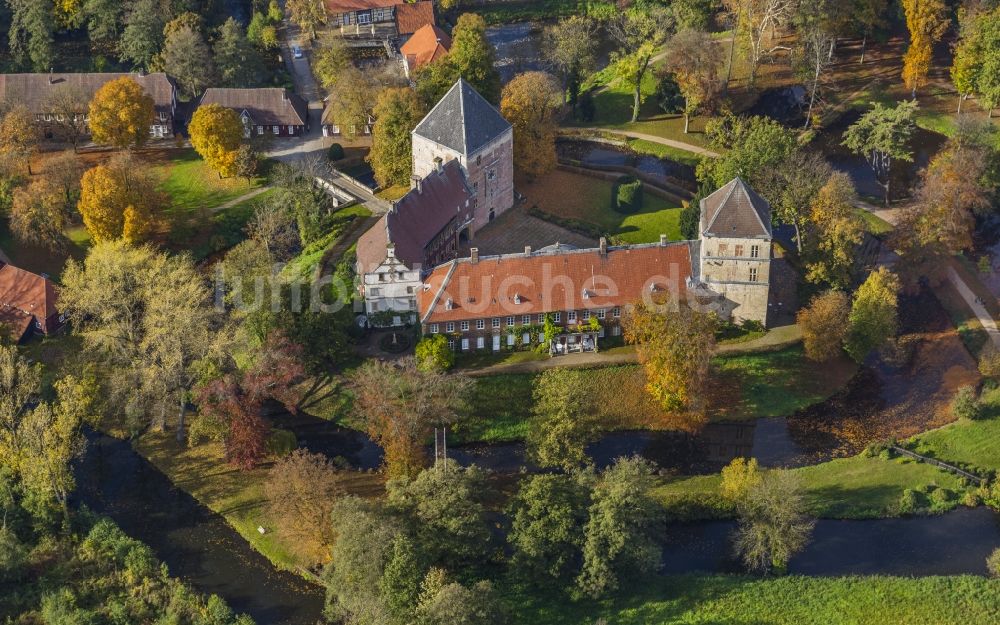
463 120
736 211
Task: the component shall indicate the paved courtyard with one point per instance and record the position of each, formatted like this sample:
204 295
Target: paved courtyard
515 229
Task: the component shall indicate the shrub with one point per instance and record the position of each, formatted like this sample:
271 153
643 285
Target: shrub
336 152
668 95
628 195
989 362
909 501
993 563
965 404
940 499
281 443
433 354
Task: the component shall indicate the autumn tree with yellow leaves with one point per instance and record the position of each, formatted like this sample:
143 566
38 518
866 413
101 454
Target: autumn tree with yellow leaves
18 138
836 232
119 199
121 113
927 21
530 102
216 134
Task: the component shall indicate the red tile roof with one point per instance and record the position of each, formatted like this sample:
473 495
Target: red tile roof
24 298
426 45
518 284
412 17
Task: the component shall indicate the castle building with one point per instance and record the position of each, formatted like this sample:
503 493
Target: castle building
735 255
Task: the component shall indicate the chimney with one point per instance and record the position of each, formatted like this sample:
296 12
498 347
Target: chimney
527 250
474 253
417 183
438 164
603 246
663 240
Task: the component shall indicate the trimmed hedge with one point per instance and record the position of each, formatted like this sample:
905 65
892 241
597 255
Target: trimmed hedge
628 195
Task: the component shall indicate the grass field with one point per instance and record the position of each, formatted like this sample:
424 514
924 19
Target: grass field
40 259
792 600
846 488
970 444
193 186
873 223
571 197
659 150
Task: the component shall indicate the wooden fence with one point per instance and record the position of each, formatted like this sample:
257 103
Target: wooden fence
943 465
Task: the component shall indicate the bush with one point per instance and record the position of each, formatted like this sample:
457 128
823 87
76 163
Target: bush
628 195
336 152
281 443
989 362
433 354
940 499
909 501
668 95
993 563
965 404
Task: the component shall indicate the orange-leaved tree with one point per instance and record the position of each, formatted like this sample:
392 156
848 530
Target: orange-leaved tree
121 113
216 134
530 103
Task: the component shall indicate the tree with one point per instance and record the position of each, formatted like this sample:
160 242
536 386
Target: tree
817 38
756 24
965 404
121 113
873 318
773 525
247 163
791 187
20 384
238 62
530 102
623 526
301 490
18 137
881 136
639 33
397 112
216 134
988 80
824 325
690 219
473 56
836 232
307 14
119 199
868 16
187 58
674 347
694 59
564 422
927 21
753 147
548 516
453 603
351 100
571 46
433 354
39 214
739 478
263 33
967 58
330 57
104 18
30 35
142 37
399 405
69 106
447 505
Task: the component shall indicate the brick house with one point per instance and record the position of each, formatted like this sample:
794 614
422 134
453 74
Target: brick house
27 304
264 111
379 18
501 302
38 92
427 45
464 127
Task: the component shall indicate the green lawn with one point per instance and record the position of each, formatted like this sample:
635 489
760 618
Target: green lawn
791 600
193 186
659 150
970 444
846 488
40 259
873 223
584 203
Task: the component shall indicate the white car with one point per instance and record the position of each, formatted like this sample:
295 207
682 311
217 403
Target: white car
296 52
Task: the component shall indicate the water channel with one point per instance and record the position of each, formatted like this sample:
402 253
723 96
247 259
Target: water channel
520 48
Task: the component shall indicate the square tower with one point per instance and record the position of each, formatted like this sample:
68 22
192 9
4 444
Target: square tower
735 256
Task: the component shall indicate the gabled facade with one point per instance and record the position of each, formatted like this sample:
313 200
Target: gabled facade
379 18
464 127
264 111
427 45
735 255
27 304
37 92
392 287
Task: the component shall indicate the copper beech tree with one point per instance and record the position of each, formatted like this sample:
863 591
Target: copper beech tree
399 406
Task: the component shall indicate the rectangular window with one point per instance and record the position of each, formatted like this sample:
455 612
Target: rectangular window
739 250
465 326
616 312
465 345
434 328
276 129
754 251
480 343
616 331
374 292
496 322
451 344
586 315
601 314
260 130
291 130
526 320
510 321
366 18
480 324
557 317
449 327
571 316
723 249
753 274
541 318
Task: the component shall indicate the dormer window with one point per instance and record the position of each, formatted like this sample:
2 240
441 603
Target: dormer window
586 294
517 298
450 304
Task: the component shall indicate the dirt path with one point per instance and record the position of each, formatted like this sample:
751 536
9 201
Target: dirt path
239 200
680 145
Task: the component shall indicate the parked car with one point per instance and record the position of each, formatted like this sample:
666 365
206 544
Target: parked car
296 52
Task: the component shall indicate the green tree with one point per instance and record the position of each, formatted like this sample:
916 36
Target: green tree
873 319
639 33
104 20
447 505
478 604
30 35
473 57
433 353
263 33
565 419
238 62
824 325
308 14
694 60
397 112
753 147
142 37
739 478
882 135
791 188
187 58
773 525
836 232
690 219
548 516
622 531
39 214
571 47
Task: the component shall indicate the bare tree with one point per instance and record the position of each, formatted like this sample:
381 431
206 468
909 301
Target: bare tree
758 21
